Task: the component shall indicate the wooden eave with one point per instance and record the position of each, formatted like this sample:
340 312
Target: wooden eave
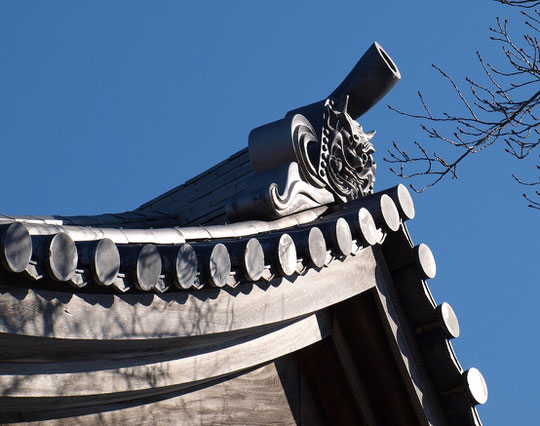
335 344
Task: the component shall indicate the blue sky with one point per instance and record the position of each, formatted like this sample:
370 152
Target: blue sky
106 104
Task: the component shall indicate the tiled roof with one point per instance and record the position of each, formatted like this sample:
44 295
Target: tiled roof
251 259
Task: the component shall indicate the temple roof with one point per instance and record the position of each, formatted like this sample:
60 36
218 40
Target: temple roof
278 271
129 291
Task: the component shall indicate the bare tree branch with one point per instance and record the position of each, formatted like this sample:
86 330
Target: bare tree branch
528 4
504 108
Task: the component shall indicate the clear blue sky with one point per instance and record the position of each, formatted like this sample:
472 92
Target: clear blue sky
106 104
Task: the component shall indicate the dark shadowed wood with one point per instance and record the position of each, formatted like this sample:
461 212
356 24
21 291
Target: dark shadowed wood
323 378
414 294
416 301
362 328
348 364
459 410
459 401
15 247
441 361
409 359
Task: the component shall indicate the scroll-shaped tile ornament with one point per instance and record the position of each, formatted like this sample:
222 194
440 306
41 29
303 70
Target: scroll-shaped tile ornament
295 171
334 155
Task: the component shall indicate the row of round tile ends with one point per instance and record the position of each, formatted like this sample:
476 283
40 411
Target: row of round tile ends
434 327
227 262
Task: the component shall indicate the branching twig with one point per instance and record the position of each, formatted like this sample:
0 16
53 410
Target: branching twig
528 4
503 109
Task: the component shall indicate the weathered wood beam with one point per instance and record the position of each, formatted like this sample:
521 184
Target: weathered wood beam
65 316
31 387
206 404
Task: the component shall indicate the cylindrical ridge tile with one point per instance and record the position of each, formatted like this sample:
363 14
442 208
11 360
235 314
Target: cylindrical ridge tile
383 210
444 323
420 257
219 265
317 247
475 386
280 251
448 320
459 401
58 252
425 261
253 260
247 256
387 215
215 262
366 230
15 247
403 200
102 257
180 262
338 233
311 246
361 223
143 264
